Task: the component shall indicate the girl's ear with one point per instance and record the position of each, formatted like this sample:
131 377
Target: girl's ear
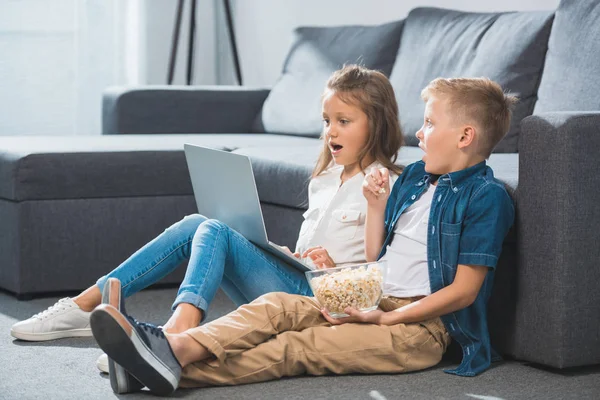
467 136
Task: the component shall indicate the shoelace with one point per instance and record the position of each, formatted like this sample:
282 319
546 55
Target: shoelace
150 328
56 307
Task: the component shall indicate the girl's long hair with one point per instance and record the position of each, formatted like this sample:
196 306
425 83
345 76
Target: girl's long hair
372 92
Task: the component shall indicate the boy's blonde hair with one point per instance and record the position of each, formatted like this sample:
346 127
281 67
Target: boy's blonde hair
372 92
477 101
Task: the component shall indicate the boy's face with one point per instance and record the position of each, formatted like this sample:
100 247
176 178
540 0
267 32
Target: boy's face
439 137
345 129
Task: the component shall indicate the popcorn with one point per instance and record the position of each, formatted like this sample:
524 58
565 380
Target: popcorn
360 288
382 190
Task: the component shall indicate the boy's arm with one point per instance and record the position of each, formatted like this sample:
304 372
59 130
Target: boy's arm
459 294
488 219
490 215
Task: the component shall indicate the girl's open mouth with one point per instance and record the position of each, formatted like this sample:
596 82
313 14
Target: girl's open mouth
335 148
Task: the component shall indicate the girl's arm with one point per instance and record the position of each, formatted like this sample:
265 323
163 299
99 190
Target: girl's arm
374 232
376 189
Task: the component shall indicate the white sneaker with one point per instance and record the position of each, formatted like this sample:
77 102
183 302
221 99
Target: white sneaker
62 320
102 363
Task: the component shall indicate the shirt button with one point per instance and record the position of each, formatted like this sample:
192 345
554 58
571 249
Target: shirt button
455 189
413 197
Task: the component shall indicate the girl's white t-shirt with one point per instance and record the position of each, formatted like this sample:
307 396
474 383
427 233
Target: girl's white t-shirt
336 213
407 270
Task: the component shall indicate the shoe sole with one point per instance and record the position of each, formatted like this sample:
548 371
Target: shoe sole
119 378
42 337
119 339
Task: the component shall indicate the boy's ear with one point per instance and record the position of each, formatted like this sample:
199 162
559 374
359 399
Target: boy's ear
467 136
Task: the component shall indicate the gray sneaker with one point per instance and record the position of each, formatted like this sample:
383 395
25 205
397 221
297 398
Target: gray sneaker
121 381
142 349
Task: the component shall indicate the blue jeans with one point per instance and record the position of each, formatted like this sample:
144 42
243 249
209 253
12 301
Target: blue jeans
218 256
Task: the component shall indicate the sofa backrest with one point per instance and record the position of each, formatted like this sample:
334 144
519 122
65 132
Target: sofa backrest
571 79
509 48
294 103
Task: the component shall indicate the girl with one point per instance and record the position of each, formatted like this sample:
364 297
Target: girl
361 131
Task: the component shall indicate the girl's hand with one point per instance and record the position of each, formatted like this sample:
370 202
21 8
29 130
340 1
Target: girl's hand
287 250
376 187
377 317
320 257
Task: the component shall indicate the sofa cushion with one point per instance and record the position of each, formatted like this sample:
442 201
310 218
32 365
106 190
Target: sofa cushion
282 173
506 47
294 103
571 80
72 167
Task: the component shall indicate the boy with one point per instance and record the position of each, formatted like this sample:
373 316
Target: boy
441 232
469 214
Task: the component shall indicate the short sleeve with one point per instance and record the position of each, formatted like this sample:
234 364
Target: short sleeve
490 214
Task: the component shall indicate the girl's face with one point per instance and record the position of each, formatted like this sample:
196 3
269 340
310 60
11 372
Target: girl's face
346 130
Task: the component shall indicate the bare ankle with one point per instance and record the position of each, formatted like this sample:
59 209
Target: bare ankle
89 298
186 349
174 340
186 316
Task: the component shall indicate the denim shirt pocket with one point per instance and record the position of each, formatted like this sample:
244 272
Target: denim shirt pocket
450 242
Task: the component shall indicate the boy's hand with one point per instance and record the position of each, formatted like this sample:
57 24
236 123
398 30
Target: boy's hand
320 257
376 187
287 250
377 317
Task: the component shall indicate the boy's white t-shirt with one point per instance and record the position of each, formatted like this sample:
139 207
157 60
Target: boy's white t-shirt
406 255
336 214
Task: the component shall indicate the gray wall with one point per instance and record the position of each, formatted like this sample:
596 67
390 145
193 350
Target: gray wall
264 27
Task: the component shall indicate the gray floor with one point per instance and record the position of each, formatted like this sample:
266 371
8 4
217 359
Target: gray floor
65 369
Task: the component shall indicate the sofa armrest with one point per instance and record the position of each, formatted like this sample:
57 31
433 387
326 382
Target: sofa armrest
558 217
181 109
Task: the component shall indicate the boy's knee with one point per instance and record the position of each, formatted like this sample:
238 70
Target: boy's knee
272 298
277 299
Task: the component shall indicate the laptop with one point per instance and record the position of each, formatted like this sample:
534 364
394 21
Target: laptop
225 189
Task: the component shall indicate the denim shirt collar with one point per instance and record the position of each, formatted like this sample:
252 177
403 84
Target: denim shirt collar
453 179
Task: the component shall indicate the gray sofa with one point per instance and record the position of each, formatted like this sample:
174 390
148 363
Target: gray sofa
73 208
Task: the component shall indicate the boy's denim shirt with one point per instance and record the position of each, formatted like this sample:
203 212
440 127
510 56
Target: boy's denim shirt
470 215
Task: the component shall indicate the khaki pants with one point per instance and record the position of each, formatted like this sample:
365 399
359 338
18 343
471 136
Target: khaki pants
280 334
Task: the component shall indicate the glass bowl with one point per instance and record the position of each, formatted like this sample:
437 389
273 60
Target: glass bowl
359 286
